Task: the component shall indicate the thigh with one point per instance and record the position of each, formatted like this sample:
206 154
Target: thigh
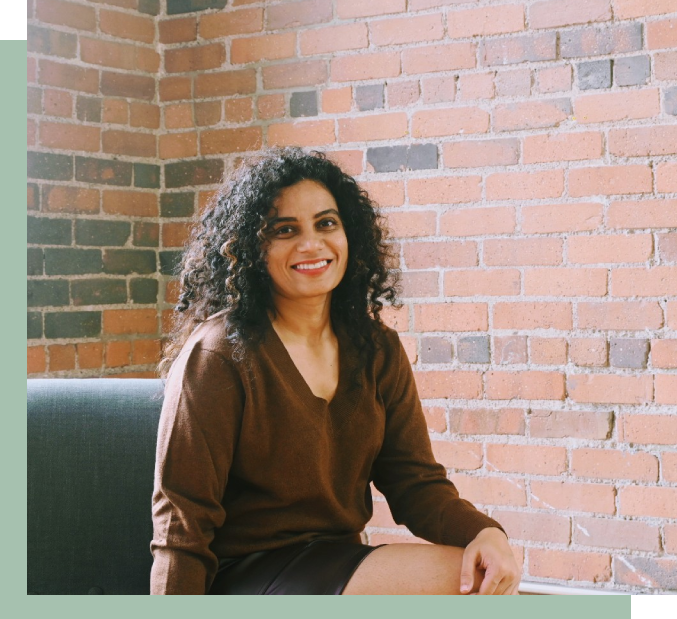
410 569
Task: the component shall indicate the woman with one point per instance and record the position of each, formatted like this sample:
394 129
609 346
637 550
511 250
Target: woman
287 396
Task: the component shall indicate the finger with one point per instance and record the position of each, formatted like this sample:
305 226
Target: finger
515 590
468 569
504 587
491 580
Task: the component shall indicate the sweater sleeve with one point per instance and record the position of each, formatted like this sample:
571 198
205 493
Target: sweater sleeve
199 425
416 487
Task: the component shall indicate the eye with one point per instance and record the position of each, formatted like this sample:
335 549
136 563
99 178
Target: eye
283 231
327 223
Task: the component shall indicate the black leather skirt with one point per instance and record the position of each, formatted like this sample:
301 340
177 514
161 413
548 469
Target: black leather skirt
319 567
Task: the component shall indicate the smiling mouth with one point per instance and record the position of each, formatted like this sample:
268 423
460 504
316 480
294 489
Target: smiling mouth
311 266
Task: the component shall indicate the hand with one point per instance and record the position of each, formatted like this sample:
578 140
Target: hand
490 552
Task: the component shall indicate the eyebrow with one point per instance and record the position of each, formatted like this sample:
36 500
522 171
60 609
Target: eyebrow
277 220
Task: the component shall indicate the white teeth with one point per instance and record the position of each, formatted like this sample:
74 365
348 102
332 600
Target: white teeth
314 265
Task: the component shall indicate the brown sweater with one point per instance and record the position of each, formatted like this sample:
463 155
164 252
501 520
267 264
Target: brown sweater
250 460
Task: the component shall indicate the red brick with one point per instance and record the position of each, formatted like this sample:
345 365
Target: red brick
513 83
558 13
119 55
220 141
365 66
263 47
31 70
548 350
529 385
481 153
534 527
643 141
178 116
588 352
350 161
667 247
90 355
612 106
63 199
68 76
643 214
561 218
516 49
57 103
333 39
61 357
396 318
337 100
671 314
666 389
566 282
525 185
463 120
670 539
463 385
627 9
610 180
238 110
420 284
208 113
385 193
410 346
451 317
605 249
118 353
478 221
372 127
144 115
610 389
595 425
664 354
648 429
476 86
509 349
401 94
493 282
536 315
130 203
294 14
620 315
658 502
553 79
126 26
531 114
661 34
411 224
70 136
178 145
657 573
228 23
223 84
199 58
562 147
436 418
146 352
115 111
444 190
66 14
383 518
485 21
301 133
181 30
569 565
665 66
455 455
655 282
307 73
130 321
423 28
346 9
174 88
440 254
391 538
445 57
128 85
520 252
486 490
175 234
570 496
131 143
271 106
439 89
487 421
669 467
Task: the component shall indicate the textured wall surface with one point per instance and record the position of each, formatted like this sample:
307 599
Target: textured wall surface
524 154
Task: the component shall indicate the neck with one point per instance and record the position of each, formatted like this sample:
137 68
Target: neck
307 321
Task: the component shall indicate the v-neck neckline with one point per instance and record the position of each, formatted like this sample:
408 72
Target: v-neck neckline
301 385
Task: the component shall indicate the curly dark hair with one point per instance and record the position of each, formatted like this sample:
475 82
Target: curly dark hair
223 266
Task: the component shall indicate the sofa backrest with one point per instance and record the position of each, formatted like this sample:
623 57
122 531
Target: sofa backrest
91 455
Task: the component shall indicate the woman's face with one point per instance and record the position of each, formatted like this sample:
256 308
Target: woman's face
307 250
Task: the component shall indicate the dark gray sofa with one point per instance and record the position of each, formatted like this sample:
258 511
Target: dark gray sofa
91 454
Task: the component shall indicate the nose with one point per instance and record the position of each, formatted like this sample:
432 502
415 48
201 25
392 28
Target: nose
310 242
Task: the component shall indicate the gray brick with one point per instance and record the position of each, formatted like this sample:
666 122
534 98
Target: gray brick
394 158
147 175
143 290
150 7
436 350
124 261
72 261
303 104
369 97
170 262
632 71
176 7
628 353
517 49
47 231
189 173
34 101
88 109
51 42
47 292
99 291
33 196
34 325
670 100
103 171
473 349
50 167
100 233
72 324
594 74
146 234
601 41
515 83
177 204
35 261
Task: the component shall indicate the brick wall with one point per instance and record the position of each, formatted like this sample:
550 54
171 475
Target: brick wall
524 153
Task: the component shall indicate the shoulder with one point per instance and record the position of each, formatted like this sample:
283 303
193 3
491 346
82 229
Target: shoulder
389 350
